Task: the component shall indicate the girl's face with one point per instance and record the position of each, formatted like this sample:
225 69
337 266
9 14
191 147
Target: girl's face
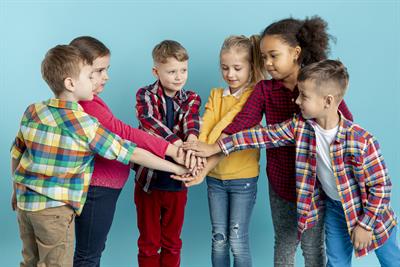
280 59
100 73
235 68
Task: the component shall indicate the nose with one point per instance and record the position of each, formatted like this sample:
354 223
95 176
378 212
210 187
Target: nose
105 76
298 102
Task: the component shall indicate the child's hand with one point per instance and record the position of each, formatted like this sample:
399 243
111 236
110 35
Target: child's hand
198 179
361 238
201 149
186 178
13 201
179 157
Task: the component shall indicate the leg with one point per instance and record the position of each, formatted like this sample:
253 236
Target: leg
93 225
30 253
54 231
339 248
173 211
218 204
284 220
389 253
313 245
242 197
148 211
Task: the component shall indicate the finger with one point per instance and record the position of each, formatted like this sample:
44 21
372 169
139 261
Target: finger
357 245
188 158
182 178
180 152
193 161
189 145
204 160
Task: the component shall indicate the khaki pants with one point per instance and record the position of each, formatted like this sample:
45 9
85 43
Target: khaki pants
47 237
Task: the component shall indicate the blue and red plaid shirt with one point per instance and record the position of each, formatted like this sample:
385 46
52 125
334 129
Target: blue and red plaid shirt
272 99
151 112
362 179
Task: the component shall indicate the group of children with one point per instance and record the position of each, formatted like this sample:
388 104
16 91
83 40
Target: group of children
328 183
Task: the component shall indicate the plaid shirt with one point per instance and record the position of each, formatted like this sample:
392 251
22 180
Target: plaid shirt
362 180
272 98
151 112
55 147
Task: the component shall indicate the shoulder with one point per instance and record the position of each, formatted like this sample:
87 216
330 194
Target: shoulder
357 134
146 90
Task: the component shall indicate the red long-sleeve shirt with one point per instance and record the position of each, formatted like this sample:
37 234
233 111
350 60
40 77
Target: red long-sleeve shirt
110 173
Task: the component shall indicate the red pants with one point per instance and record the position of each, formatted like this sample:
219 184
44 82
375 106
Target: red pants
159 219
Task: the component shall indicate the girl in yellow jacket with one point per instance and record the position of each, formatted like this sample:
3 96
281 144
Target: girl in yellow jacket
231 181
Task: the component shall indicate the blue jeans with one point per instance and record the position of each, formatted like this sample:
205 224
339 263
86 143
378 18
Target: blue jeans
93 225
231 203
339 248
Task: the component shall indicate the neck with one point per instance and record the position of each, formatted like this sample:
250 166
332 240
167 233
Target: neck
330 120
290 81
66 96
169 93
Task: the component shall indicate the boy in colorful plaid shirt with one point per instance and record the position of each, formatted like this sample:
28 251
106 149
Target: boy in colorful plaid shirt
339 167
164 109
52 159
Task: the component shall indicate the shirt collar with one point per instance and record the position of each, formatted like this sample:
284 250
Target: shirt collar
237 94
342 129
59 103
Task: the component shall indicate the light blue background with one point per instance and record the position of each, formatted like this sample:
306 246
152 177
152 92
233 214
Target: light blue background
368 43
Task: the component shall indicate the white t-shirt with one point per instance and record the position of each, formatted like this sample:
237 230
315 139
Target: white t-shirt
324 163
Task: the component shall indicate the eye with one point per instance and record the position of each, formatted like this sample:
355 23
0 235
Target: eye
183 70
171 72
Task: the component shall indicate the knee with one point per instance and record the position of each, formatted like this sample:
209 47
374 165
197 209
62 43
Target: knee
219 240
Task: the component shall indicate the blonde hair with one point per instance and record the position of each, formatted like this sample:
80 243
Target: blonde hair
251 45
61 62
167 49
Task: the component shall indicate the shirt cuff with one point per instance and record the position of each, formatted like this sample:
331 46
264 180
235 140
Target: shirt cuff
226 145
126 152
366 222
172 138
195 132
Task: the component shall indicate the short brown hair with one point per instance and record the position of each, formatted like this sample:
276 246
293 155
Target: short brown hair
326 71
91 47
61 62
169 48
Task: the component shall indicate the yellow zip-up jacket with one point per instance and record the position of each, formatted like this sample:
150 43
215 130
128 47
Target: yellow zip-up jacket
219 113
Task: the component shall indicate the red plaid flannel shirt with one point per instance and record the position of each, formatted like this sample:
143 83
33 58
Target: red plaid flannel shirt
362 180
151 113
271 98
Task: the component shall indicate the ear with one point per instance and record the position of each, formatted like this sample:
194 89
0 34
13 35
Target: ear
329 100
297 52
69 84
155 72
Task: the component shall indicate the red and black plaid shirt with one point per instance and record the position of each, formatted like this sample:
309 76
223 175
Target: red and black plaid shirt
151 110
270 97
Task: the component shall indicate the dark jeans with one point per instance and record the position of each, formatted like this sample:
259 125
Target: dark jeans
93 225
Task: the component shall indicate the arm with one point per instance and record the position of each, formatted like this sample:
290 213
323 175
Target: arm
276 135
191 120
345 111
98 109
378 184
145 112
251 114
14 165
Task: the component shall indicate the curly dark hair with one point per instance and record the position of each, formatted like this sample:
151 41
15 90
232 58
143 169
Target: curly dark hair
310 34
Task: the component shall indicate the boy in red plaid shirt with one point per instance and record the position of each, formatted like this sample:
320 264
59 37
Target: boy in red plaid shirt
164 109
339 167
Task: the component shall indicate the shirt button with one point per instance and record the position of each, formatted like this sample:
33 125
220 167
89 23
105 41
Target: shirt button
292 99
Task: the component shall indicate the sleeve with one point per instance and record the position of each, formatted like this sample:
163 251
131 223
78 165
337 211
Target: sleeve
111 146
191 120
208 119
251 114
345 111
18 147
99 110
227 119
145 111
377 182
276 135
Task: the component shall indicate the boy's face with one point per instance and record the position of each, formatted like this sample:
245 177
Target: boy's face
83 84
100 73
311 102
172 75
